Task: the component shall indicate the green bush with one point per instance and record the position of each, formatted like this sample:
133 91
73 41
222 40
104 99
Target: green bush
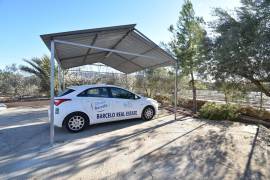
213 111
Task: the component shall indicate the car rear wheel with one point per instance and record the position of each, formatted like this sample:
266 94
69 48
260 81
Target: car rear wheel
148 113
76 122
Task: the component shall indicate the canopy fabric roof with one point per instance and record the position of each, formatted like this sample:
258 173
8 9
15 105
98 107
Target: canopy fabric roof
123 48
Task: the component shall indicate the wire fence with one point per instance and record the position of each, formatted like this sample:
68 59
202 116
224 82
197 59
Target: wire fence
159 84
251 98
99 73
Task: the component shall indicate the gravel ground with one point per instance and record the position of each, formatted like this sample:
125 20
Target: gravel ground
162 148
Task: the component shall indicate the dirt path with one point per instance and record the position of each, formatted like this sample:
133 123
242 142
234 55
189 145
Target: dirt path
159 149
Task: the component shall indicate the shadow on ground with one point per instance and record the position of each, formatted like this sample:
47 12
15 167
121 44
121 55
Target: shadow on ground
23 162
196 153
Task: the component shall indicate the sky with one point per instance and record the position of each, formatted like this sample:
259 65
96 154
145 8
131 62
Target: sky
23 21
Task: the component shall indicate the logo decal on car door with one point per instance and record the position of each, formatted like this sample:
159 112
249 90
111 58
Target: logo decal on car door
100 106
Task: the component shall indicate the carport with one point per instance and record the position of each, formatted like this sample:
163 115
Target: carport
123 48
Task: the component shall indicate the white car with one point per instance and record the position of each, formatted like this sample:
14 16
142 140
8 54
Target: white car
80 106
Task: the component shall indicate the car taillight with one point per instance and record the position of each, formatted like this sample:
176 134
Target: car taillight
57 102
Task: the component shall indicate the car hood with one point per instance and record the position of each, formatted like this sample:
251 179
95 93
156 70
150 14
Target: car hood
150 99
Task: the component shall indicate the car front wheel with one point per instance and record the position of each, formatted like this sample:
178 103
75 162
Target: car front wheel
76 122
148 113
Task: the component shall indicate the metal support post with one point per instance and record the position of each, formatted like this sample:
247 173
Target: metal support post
59 79
175 90
52 96
63 82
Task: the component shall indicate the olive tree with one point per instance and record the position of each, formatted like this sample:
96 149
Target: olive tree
242 44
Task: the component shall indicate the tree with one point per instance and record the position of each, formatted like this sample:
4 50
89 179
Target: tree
10 80
41 68
233 89
242 45
150 81
188 44
14 84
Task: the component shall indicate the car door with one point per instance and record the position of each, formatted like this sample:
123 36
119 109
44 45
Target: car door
125 104
97 104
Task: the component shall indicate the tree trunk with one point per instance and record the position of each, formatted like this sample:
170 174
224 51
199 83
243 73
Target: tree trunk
226 97
259 85
194 109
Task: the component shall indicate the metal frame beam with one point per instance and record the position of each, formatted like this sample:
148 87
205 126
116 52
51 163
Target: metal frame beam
90 49
88 31
152 42
127 60
103 49
79 56
149 50
118 42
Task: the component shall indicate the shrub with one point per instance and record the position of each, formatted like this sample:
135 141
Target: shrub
213 111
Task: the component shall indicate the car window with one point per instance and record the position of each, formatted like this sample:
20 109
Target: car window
137 97
121 93
65 92
95 92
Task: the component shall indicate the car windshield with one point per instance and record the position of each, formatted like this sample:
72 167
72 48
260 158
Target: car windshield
65 92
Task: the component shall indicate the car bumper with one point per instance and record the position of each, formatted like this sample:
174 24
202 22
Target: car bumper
58 121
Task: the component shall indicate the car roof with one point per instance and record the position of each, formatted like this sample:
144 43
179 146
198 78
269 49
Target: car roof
82 87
